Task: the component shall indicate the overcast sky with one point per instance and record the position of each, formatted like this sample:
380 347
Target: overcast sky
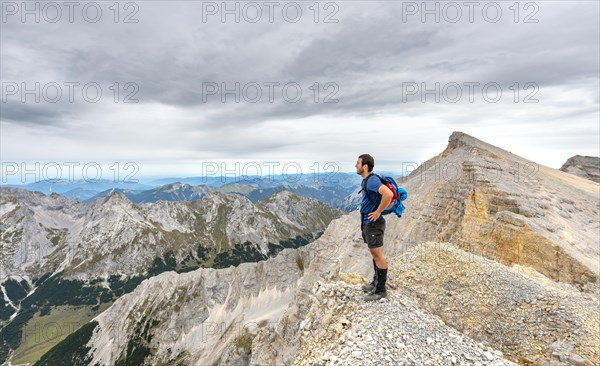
373 58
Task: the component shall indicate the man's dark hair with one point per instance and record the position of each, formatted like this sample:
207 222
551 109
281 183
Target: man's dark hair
368 160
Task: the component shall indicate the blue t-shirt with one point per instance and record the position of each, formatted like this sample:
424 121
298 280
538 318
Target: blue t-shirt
366 206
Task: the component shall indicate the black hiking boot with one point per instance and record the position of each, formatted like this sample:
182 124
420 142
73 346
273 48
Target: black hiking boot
371 287
380 290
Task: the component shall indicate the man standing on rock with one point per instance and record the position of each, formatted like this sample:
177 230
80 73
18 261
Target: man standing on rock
375 198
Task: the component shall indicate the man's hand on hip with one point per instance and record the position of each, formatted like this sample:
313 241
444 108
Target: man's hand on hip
374 215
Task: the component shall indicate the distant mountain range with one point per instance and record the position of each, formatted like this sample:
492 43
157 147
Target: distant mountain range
332 189
72 188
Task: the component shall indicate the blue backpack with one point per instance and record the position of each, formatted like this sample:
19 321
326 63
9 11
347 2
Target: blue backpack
400 194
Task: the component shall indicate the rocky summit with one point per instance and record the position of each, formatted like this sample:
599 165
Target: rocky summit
495 262
448 307
583 166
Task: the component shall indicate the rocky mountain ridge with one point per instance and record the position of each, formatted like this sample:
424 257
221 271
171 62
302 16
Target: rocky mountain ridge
112 235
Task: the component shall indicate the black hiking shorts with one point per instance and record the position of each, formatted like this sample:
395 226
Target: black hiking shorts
372 233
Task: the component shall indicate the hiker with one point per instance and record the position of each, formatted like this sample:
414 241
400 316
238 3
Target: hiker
375 198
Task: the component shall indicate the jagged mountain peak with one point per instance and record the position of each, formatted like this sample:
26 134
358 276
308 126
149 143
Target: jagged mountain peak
458 139
460 142
116 196
461 139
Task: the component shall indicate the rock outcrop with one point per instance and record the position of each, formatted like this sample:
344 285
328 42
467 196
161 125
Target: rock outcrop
583 166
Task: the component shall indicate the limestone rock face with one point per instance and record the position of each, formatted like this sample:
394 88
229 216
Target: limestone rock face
494 203
583 166
197 316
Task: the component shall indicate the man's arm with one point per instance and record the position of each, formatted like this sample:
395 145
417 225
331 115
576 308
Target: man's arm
386 198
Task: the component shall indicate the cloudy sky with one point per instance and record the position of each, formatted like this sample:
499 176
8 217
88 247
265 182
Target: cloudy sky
316 82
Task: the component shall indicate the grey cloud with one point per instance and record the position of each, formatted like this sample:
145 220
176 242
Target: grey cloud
23 114
368 54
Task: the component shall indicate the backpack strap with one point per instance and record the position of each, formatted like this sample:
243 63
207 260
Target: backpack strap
364 187
364 183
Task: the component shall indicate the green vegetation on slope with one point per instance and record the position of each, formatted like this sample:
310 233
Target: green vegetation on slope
72 351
